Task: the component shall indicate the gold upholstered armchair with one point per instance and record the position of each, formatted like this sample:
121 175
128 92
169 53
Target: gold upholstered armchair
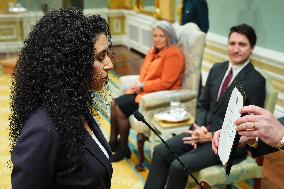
250 168
192 41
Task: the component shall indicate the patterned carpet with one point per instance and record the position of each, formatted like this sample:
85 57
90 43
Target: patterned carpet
5 171
124 176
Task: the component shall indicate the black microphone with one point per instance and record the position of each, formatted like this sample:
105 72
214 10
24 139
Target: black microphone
140 117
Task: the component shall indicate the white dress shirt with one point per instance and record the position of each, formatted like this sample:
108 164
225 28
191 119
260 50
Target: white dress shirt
100 145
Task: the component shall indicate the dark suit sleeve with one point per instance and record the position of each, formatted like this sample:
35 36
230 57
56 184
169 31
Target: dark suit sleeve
34 157
203 103
256 91
202 13
281 119
262 148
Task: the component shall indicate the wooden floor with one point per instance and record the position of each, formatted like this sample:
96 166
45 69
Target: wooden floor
128 62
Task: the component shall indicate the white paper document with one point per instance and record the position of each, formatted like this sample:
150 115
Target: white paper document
228 132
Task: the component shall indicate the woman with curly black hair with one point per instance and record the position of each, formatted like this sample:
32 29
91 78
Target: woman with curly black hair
56 143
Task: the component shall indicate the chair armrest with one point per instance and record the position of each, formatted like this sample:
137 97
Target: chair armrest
162 98
126 81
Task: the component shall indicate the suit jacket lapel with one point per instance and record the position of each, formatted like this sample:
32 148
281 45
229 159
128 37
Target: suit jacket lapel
220 75
238 79
243 73
97 131
94 148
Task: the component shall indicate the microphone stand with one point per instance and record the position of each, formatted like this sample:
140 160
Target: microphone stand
202 184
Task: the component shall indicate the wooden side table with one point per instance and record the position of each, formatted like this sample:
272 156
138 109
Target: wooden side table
167 130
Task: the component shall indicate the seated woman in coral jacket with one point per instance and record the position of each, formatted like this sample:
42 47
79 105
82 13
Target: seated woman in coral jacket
162 69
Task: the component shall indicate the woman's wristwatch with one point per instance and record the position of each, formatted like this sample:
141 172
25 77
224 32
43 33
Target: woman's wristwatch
281 143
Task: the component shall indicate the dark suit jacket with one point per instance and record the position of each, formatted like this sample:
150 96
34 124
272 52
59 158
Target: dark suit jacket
211 112
38 164
262 148
195 11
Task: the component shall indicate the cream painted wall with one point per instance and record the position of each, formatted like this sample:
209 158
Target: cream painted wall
267 17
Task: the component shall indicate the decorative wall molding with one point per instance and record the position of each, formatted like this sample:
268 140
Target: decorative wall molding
136 33
27 21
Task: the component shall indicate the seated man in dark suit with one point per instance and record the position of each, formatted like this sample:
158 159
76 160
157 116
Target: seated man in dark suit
194 146
260 129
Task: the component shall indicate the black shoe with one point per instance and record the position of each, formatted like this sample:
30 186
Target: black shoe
113 145
121 153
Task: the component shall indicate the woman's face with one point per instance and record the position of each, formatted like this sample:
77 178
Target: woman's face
102 63
159 39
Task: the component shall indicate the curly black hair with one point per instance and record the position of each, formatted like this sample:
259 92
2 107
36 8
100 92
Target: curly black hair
54 71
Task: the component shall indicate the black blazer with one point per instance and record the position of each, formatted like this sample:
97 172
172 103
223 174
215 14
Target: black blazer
195 11
212 112
37 163
262 148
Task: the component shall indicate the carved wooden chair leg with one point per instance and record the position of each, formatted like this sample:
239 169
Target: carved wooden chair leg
141 138
228 186
256 183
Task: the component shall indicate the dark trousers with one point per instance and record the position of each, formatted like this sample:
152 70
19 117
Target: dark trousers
165 170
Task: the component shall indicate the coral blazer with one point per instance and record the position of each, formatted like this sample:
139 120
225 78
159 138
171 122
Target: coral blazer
162 71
